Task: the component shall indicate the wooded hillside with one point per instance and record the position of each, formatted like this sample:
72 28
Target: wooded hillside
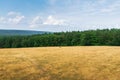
76 38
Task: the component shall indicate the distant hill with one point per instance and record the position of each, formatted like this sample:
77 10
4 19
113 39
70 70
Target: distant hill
20 32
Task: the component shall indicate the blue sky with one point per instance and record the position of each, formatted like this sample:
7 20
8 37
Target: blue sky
59 15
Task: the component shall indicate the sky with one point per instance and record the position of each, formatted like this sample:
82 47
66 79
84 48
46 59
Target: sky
59 15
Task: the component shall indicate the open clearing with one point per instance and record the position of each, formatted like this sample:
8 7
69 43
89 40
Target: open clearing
60 63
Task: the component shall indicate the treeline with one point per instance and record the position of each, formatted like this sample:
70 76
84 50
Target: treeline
110 37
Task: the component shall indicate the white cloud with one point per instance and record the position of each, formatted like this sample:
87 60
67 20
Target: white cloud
12 18
39 21
52 21
36 22
2 20
16 19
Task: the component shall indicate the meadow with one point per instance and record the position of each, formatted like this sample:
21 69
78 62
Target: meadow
60 63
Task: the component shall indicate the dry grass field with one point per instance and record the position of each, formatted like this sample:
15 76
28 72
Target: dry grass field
60 63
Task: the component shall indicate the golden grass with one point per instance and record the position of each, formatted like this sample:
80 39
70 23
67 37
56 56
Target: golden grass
60 63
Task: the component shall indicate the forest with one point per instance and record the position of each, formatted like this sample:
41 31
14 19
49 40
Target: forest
104 37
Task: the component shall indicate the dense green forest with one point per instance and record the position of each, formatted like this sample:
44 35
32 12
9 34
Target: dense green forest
76 38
